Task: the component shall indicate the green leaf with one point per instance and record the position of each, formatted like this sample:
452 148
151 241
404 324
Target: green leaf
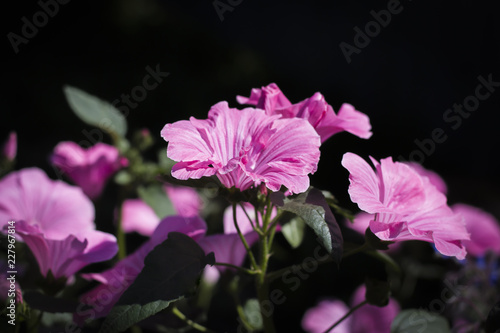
333 203
253 314
157 199
312 207
294 231
170 271
95 111
415 321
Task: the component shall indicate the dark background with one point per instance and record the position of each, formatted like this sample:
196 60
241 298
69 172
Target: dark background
427 58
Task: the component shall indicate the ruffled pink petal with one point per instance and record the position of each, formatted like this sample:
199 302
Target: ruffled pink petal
350 120
10 146
244 148
370 318
185 200
434 178
268 98
138 216
483 227
57 208
228 248
319 318
364 188
88 168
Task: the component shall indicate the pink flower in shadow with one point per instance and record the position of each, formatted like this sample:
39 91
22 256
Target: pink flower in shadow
88 168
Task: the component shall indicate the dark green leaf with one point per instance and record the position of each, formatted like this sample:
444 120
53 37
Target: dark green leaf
253 313
311 206
377 292
157 199
96 112
170 271
417 321
375 242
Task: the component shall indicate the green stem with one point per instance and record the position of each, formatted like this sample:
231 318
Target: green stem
120 235
346 315
244 241
188 321
241 269
362 248
239 309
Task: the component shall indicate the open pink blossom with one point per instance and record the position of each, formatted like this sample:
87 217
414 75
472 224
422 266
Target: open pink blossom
483 227
319 318
314 109
407 205
55 220
244 148
140 217
371 318
88 168
117 279
10 147
434 178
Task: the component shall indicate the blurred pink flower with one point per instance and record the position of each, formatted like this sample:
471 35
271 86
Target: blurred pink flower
371 318
244 148
140 217
117 279
367 319
484 230
228 247
314 109
407 205
434 178
55 220
10 146
88 168
319 318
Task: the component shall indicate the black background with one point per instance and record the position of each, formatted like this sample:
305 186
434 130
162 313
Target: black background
426 59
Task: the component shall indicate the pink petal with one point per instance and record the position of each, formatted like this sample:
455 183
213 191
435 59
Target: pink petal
319 318
66 257
267 98
434 178
138 216
483 227
185 200
350 120
56 207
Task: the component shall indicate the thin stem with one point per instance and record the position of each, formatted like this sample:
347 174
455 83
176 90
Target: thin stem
254 226
346 315
276 274
241 269
362 248
188 321
239 309
120 234
244 241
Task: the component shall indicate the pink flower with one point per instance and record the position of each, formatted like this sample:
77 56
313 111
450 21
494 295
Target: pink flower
434 178
371 318
138 216
407 205
319 318
362 222
314 109
244 148
368 318
116 280
55 220
484 230
88 168
10 146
